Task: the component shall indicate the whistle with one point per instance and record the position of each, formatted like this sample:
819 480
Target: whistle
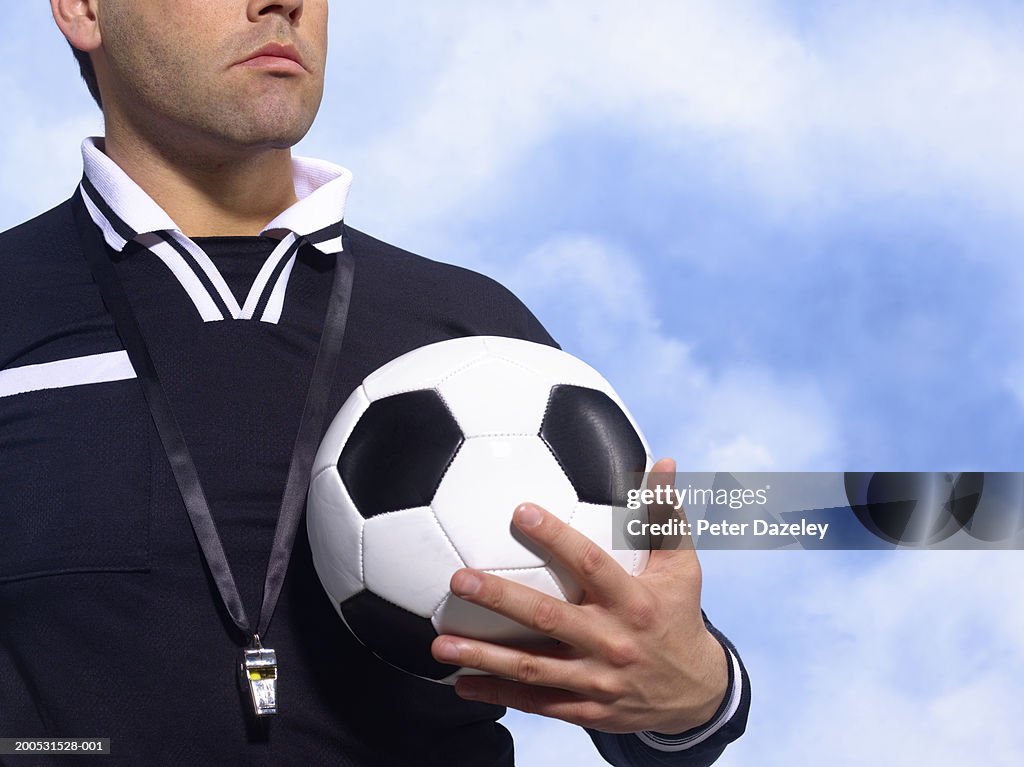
259 669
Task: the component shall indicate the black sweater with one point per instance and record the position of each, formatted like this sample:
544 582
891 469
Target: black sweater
110 625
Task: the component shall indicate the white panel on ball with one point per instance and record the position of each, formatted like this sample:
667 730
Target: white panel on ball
551 363
522 395
424 368
596 523
335 536
407 560
488 479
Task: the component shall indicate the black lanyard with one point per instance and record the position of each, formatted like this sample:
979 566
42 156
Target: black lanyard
310 430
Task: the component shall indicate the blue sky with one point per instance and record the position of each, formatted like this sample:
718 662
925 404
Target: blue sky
790 235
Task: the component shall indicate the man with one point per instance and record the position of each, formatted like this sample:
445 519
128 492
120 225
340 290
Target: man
166 337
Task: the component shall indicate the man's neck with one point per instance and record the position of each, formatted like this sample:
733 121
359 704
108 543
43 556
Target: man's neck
229 196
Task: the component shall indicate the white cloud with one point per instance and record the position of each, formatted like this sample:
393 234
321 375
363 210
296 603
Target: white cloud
876 101
808 122
919 671
740 418
892 659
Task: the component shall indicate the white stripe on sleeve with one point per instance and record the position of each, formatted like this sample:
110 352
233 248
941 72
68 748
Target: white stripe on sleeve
672 743
76 371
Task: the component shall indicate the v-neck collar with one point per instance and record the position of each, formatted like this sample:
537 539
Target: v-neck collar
124 213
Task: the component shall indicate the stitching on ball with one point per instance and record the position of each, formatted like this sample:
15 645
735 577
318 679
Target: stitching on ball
362 539
439 606
324 471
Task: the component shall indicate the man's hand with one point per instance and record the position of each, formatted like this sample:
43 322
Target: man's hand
633 655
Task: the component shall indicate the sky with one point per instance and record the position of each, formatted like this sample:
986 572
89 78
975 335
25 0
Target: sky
789 233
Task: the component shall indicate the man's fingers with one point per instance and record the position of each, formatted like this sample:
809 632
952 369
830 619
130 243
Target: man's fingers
556 667
531 608
664 466
602 578
675 549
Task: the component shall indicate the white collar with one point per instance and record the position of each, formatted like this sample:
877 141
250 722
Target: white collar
123 210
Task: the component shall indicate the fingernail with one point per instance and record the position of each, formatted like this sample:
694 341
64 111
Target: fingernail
466 584
448 651
466 689
528 516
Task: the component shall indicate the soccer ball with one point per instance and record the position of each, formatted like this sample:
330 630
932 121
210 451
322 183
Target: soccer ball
420 471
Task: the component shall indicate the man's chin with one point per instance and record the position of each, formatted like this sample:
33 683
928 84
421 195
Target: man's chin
274 135
277 127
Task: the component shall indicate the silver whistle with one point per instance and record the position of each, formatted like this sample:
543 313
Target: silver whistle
259 669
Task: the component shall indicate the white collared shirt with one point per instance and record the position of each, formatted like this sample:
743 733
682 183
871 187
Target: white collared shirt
124 212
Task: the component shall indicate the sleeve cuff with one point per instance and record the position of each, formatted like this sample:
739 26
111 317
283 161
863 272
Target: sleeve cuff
726 711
